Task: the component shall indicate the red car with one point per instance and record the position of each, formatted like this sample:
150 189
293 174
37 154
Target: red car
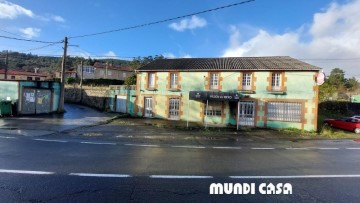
350 124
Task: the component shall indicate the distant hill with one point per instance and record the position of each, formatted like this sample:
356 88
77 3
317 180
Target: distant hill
48 64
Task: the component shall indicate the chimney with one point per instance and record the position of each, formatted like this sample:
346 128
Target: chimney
36 70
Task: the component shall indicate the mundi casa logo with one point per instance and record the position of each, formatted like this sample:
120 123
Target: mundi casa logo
250 188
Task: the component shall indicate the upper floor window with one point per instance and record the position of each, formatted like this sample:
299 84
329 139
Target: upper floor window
173 80
124 75
109 72
29 78
13 77
89 69
246 81
37 78
102 72
151 80
214 81
276 81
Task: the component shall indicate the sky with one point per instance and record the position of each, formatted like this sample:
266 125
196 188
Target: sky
324 33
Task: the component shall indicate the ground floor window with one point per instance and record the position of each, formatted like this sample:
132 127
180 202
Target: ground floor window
284 111
213 109
174 108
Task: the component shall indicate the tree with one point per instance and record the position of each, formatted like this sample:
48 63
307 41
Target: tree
130 80
326 91
337 78
351 84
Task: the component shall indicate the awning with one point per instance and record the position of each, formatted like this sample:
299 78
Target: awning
214 96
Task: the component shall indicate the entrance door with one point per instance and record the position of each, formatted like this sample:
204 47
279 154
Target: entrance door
120 104
43 101
247 113
148 107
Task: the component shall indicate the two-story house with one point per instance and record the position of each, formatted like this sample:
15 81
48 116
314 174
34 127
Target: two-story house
105 71
271 92
22 75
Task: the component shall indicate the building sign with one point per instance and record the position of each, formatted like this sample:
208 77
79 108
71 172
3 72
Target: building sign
214 96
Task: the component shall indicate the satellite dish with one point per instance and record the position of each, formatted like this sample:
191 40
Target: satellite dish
320 78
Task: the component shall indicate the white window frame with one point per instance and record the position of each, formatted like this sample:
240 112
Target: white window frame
89 69
246 81
284 111
124 75
276 81
102 72
213 109
214 81
151 80
109 72
174 108
174 80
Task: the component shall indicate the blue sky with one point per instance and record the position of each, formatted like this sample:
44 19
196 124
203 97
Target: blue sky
308 30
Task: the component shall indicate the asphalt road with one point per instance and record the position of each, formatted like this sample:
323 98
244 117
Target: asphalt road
45 170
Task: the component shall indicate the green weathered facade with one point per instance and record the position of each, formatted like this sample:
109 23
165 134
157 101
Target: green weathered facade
258 105
15 91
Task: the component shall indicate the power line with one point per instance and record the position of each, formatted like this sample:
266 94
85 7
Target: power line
28 40
161 21
42 47
10 33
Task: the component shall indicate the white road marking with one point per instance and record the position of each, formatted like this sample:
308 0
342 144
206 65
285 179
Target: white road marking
327 148
8 137
295 176
180 177
50 140
192 147
352 148
101 175
99 143
26 172
142 145
297 148
262 148
226 147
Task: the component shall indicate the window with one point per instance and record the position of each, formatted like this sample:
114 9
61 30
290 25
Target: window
13 77
124 75
276 81
285 111
109 72
151 80
246 81
37 78
174 106
29 78
89 69
213 109
214 81
102 72
173 80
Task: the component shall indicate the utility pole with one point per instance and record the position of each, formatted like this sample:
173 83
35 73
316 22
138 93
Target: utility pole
81 80
6 64
62 81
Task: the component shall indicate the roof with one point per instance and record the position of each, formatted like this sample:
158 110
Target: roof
230 63
113 67
13 72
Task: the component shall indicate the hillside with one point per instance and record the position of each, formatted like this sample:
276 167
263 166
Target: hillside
47 64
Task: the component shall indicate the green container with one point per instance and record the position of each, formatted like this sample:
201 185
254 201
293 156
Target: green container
5 108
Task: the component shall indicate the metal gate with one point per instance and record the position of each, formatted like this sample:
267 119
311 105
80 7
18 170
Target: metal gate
246 113
36 101
120 104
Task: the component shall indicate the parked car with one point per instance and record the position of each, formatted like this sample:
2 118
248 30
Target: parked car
350 124
357 117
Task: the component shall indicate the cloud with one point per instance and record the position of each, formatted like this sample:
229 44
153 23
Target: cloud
58 18
30 32
333 34
173 56
12 11
110 54
190 24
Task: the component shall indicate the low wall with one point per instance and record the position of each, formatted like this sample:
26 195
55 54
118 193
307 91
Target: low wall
96 97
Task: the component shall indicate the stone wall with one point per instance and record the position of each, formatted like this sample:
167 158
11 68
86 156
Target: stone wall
96 97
